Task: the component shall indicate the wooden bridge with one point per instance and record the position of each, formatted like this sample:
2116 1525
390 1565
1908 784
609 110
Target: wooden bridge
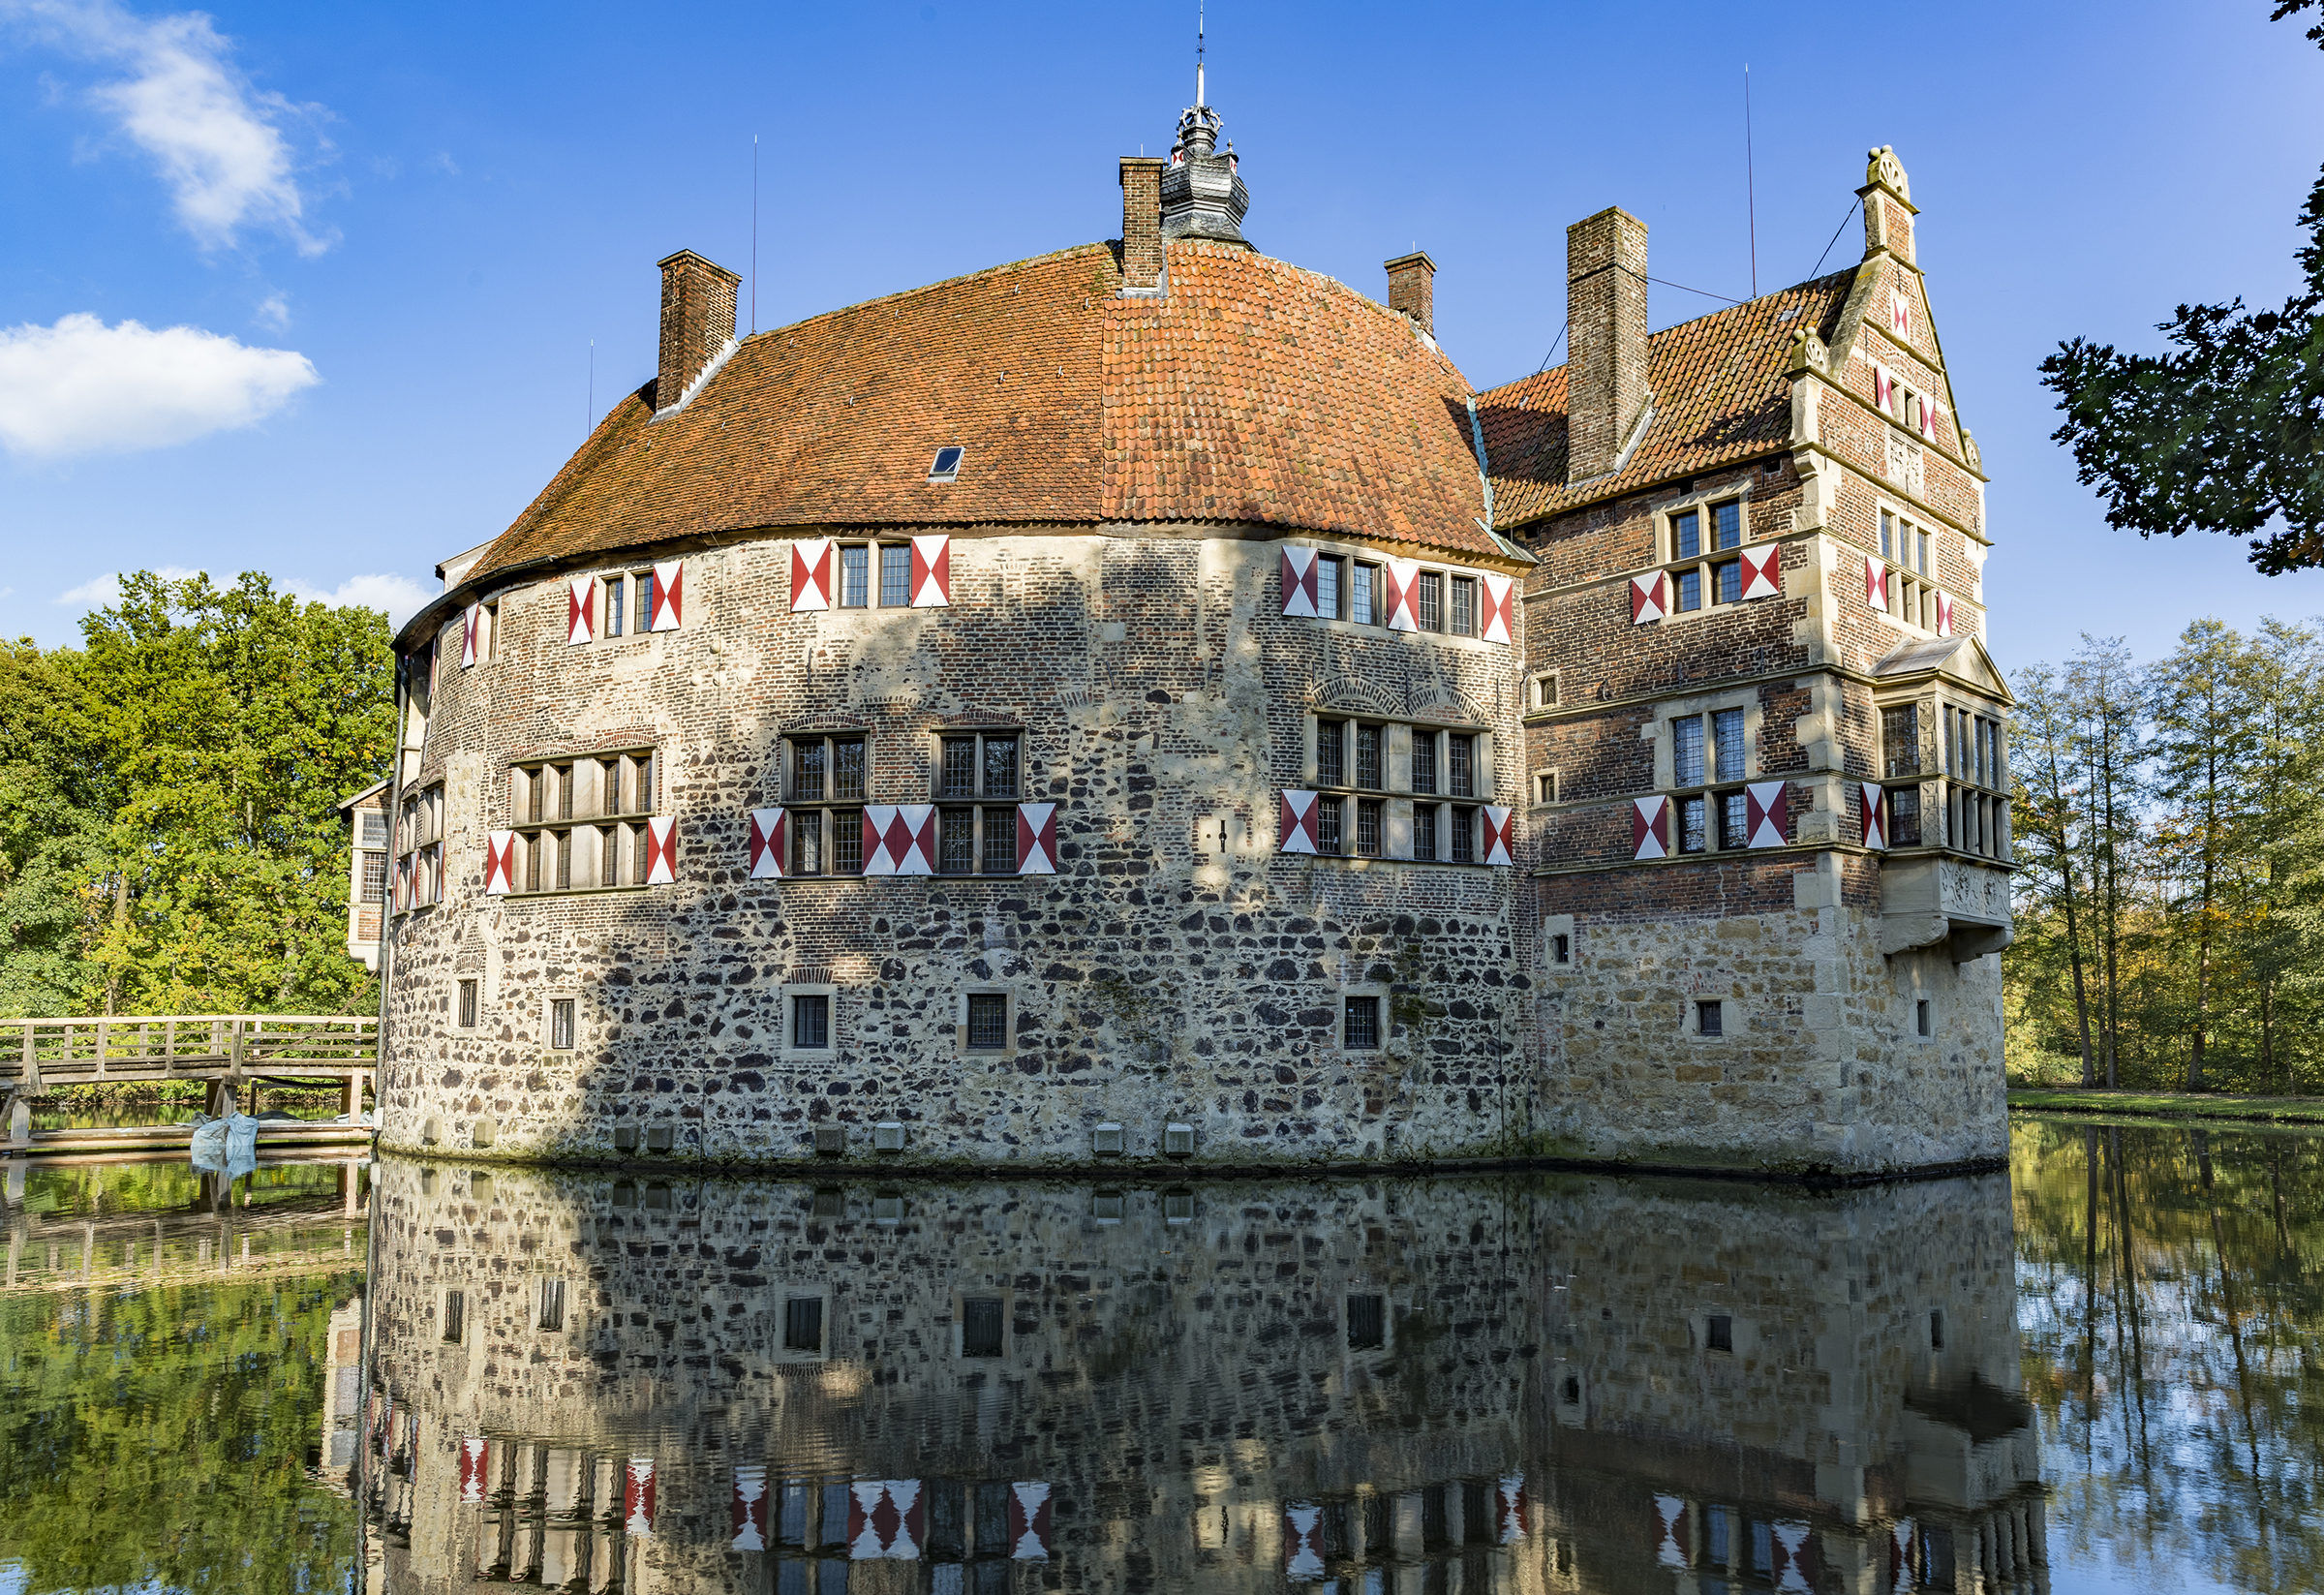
237 1052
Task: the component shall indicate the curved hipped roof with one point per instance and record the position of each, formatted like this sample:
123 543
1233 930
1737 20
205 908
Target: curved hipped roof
1250 393
1722 393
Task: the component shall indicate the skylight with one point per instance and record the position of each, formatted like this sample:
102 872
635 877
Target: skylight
947 467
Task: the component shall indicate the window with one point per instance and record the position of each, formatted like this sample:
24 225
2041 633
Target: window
826 769
810 1021
1976 799
1364 594
419 850
1913 591
1330 585
977 764
1693 824
895 575
855 576
1722 1333
628 603
1710 1018
1708 751
1362 1032
1904 816
1702 534
946 466
455 1316
1423 761
1464 607
987 1021
1423 830
614 796
981 1326
1687 586
1367 757
1367 828
1460 762
552 1305
1330 753
467 1005
1900 739
375 877
1464 835
1367 1323
1356 759
1544 690
1545 786
1937 1329
802 1324
1726 741
1922 1020
1328 837
1561 949
560 1024
1428 601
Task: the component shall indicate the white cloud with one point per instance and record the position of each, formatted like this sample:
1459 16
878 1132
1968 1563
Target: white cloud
104 591
82 387
400 597
218 141
273 312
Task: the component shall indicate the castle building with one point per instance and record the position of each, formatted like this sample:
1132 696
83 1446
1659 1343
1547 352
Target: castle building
1142 702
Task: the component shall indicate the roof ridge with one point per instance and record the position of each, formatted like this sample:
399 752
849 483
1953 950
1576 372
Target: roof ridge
1100 246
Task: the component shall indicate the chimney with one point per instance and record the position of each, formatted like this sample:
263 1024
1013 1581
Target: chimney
1605 336
1888 208
1411 289
697 321
1142 222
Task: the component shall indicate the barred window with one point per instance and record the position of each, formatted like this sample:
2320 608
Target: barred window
987 1021
1464 835
1367 757
1362 1032
811 1020
560 1024
1423 830
1000 841
1424 760
826 768
802 1324
1328 839
1367 828
1330 753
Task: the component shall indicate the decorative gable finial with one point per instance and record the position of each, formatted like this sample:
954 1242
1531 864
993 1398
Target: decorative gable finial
1203 193
1885 170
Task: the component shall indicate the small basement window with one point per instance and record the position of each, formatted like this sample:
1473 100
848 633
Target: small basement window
802 1324
1710 1018
552 1305
1367 1323
987 1021
947 466
981 1329
1722 1333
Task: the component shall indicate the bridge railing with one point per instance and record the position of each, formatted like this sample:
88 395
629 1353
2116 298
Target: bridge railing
53 1051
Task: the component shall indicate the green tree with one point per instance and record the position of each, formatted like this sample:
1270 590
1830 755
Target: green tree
2049 805
2224 434
232 720
54 798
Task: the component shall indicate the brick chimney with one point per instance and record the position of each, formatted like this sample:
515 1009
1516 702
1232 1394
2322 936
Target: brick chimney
1142 221
1411 289
1605 333
697 321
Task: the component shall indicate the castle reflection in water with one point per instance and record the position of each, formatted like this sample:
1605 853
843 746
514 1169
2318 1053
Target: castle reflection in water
626 1383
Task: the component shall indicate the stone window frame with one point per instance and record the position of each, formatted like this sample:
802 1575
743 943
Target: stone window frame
1543 785
567 1316
1011 1347
581 821
419 835
457 1028
983 805
1743 1331
1554 926
1008 1048
1351 555
1394 794
468 1301
1350 1288
560 994
1543 689
785 1048
872 602
636 605
1733 1015
1913 589
1704 562
827 807
1662 729
1387 1018
781 1293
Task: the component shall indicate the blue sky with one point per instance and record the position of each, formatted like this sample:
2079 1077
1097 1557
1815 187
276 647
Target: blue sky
365 250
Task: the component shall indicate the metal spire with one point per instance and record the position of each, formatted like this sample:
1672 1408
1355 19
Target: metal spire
1201 22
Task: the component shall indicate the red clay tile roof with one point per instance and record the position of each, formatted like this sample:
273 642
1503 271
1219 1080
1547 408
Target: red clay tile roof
1251 391
1721 394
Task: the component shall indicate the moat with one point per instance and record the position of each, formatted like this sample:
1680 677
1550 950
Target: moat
2089 1373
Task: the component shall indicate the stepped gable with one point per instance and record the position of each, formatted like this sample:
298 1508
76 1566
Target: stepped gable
1722 393
1250 391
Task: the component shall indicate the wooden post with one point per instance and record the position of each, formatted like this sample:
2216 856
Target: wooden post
351 1094
102 1039
31 1082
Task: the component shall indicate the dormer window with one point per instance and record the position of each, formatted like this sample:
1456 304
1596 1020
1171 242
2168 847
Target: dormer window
947 466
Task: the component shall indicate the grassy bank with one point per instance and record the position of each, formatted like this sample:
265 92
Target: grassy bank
2276 1109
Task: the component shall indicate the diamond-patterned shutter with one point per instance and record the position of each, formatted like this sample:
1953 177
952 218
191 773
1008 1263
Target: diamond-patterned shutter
1647 598
1874 813
1944 614
1299 581
1766 807
1764 572
1303 1541
476 1452
581 610
1883 389
1402 580
878 819
1670 1536
467 634
637 1496
1036 839
1297 834
1494 844
931 572
1028 1522
500 864
769 835
811 574
1650 827
1498 602
661 850
1876 583
916 854
886 1519
749 1508
1796 1558
1899 311
669 596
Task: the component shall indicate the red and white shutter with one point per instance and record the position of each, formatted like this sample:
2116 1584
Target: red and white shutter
878 817
637 1496
475 1454
1670 1535
1944 614
1299 581
661 850
670 596
1299 823
1650 827
581 610
1764 572
1901 1536
912 838
749 1508
1028 1522
1509 1512
1900 312
1883 389
1876 583
931 572
1494 625
1402 579
1874 814
1767 808
474 618
500 864
1928 421
1036 839
1303 1541
1795 1556
770 837
1647 598
1494 844
811 574
886 1520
